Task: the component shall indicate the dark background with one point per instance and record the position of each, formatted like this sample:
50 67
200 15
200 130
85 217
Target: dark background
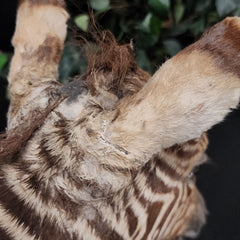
219 180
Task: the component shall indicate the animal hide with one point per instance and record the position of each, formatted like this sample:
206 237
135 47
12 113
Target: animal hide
111 154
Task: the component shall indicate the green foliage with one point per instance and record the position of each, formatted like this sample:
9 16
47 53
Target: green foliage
178 11
3 60
158 28
4 63
82 21
100 5
172 46
225 7
159 8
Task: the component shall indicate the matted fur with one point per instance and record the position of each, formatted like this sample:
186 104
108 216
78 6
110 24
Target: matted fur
121 75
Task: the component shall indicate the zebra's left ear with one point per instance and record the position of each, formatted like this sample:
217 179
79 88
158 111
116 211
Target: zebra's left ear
38 43
189 94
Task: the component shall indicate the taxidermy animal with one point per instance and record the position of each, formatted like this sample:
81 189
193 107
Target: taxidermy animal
110 155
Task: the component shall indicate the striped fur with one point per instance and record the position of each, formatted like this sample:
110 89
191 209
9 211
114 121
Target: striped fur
50 201
112 160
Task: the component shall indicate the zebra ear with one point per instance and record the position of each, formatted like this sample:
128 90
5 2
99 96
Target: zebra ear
189 94
38 43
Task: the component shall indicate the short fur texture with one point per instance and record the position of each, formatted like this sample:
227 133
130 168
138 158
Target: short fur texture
110 155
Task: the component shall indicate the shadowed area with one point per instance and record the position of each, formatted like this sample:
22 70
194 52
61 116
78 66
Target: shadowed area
219 181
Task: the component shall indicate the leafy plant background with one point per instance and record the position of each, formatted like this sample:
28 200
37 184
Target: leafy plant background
159 28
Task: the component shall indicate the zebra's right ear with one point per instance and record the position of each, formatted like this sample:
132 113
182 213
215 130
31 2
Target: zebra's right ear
189 94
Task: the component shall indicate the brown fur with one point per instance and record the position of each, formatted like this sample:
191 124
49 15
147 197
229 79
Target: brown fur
78 177
222 42
117 65
50 51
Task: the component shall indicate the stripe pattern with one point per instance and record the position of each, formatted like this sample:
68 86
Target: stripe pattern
43 197
55 188
158 204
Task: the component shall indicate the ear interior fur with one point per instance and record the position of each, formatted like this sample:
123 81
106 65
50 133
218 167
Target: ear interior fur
187 96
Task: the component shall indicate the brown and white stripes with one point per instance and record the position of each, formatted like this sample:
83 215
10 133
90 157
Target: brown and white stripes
110 155
42 200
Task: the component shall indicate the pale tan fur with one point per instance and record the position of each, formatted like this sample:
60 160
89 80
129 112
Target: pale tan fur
175 105
184 98
34 25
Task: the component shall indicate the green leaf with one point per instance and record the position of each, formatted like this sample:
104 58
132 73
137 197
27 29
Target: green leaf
82 21
225 7
172 46
212 17
159 8
100 5
146 40
3 60
198 26
150 29
203 5
143 60
178 11
155 25
145 25
237 11
151 24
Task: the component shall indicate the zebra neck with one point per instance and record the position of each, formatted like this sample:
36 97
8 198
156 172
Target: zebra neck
183 158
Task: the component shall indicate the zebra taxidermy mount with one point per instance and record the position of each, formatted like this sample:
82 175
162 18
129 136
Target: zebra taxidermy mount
110 155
